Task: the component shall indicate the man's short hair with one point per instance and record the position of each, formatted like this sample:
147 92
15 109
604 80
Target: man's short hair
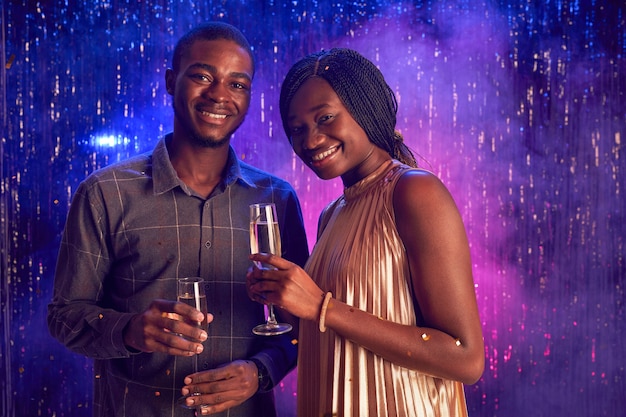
210 31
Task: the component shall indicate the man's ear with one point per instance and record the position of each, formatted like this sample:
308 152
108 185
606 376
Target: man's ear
170 81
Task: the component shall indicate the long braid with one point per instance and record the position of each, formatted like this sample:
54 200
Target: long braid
362 89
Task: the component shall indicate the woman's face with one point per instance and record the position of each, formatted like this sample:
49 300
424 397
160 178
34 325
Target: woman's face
326 137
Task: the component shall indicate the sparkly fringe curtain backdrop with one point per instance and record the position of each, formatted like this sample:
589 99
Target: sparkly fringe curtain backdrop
519 106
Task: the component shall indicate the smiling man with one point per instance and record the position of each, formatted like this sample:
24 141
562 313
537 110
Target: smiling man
181 210
210 82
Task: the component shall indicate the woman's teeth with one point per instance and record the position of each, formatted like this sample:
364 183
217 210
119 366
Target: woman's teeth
324 154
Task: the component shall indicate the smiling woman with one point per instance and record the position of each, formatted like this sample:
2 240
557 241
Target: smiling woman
391 262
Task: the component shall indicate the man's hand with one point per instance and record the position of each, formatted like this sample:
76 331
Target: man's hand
165 327
222 388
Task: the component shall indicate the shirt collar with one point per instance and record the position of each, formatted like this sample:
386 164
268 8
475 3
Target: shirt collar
165 177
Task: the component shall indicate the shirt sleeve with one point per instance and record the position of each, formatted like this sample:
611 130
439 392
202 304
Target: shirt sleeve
74 315
295 246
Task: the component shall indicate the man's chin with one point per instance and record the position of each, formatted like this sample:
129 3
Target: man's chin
210 141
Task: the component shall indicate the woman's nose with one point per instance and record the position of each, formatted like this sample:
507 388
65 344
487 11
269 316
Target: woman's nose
312 139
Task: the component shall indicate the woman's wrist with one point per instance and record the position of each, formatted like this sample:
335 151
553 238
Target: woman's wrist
323 310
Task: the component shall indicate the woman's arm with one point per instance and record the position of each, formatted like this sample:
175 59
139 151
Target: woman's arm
450 344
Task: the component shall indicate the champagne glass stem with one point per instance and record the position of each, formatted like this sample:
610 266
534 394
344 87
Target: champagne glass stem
191 292
271 318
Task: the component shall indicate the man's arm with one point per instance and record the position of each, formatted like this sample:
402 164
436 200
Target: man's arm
295 247
234 383
74 316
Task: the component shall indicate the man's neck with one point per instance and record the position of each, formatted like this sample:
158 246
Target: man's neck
201 168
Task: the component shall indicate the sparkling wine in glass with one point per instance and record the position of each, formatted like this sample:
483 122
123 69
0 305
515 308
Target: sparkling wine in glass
191 292
265 238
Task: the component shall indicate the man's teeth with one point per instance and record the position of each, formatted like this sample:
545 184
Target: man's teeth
213 115
324 154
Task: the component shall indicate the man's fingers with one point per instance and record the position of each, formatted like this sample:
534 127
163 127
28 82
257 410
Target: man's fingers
187 311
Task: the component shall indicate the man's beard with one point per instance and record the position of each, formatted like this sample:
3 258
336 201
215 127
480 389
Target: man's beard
206 141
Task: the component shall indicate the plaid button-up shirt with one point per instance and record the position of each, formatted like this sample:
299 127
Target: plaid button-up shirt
133 228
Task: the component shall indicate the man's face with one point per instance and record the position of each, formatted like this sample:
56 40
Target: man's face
211 91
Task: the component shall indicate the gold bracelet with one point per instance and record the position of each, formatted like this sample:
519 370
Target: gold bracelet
327 298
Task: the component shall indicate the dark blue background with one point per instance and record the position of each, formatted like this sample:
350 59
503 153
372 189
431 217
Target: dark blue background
518 106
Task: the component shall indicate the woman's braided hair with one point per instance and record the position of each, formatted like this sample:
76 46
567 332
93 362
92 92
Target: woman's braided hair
363 91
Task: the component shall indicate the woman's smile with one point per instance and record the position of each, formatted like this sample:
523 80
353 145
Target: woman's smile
323 155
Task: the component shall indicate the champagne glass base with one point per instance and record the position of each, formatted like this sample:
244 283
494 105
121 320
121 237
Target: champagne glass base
272 329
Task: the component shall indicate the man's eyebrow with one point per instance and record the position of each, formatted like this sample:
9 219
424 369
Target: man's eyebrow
211 68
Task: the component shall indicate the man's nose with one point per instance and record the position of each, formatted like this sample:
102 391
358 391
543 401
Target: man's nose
216 91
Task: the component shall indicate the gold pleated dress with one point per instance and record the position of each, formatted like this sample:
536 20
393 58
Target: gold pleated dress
360 258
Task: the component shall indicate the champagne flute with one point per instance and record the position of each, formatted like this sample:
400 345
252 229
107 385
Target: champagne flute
265 237
191 292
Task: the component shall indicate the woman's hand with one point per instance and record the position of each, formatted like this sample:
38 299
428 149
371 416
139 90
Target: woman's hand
287 287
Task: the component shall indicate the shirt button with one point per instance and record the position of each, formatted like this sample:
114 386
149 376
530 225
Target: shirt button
207 244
